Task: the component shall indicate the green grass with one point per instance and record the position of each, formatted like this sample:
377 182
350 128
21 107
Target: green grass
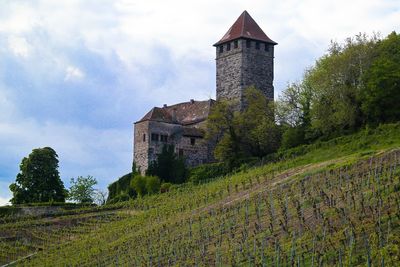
330 203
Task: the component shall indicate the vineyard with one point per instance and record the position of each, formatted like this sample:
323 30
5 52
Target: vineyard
336 204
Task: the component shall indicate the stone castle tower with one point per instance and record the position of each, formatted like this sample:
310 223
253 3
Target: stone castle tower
245 57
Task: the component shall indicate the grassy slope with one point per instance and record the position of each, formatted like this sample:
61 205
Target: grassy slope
302 210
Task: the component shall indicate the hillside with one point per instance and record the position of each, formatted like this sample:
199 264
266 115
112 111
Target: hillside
330 203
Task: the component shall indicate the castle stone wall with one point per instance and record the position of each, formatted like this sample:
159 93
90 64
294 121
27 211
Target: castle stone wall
242 67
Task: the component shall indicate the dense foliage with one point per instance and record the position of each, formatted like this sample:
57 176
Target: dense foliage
121 186
82 189
146 185
38 179
242 134
168 166
355 84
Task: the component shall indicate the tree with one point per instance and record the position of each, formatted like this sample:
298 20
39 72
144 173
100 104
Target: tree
100 197
381 97
82 190
168 167
38 179
240 135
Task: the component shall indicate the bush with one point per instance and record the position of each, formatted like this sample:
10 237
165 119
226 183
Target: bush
292 137
153 184
138 183
119 186
207 172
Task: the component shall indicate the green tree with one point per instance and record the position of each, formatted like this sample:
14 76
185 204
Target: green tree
153 184
138 183
240 135
38 179
82 190
168 167
336 82
381 96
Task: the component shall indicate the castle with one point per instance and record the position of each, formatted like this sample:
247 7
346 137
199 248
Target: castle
244 58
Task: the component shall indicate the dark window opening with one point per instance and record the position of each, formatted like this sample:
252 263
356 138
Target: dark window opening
154 137
192 141
180 153
235 44
228 47
151 150
257 45
248 43
221 49
144 137
266 47
164 138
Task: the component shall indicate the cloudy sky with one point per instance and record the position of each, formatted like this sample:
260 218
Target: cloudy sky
76 74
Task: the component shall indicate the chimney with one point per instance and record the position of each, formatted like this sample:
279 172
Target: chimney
192 101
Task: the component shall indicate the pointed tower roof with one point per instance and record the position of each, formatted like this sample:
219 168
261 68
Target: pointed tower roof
245 27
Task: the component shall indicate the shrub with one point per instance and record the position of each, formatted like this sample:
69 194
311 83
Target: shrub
138 183
153 184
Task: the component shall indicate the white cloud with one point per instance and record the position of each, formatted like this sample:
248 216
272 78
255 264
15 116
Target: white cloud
73 73
19 46
4 201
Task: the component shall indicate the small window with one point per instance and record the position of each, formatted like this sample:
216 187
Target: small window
266 47
180 152
154 137
192 141
164 138
144 137
258 45
235 44
248 43
221 49
228 47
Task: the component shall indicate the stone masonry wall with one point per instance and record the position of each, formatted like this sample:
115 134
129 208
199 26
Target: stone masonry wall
229 72
147 151
242 67
141 148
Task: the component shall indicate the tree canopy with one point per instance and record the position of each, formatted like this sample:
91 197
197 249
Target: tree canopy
82 190
38 179
240 135
356 83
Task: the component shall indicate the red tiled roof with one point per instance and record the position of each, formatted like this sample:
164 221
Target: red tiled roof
245 27
185 113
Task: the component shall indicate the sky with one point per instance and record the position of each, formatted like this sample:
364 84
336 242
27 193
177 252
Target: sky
76 74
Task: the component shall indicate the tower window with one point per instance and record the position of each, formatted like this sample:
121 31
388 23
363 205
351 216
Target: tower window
248 43
266 47
235 44
221 49
154 137
258 45
192 141
164 138
144 137
228 47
